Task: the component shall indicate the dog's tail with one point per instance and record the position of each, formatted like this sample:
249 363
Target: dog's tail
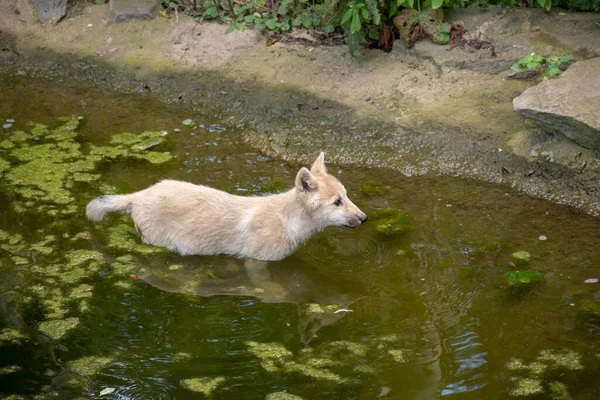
98 208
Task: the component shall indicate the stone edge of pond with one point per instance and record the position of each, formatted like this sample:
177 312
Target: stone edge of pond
274 123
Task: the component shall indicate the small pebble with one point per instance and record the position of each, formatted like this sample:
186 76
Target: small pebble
542 237
177 130
90 25
80 118
572 305
164 133
448 205
10 121
591 280
187 121
6 126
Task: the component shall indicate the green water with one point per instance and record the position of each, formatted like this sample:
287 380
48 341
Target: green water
431 314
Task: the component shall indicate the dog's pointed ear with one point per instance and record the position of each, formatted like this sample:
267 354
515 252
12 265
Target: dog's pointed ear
305 181
318 168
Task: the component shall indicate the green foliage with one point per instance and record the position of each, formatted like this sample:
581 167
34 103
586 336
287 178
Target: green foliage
523 277
359 19
549 66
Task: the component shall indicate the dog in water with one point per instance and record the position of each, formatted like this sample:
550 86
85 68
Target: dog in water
195 219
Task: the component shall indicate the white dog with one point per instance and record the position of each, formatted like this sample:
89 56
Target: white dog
194 219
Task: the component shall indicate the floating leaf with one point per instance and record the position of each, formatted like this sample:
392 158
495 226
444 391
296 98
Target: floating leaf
525 276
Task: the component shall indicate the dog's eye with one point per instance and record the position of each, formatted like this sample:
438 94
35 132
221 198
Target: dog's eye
338 202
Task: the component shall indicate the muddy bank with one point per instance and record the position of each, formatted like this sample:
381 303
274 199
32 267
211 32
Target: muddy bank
421 111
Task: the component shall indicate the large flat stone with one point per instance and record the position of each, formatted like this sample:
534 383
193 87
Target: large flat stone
50 10
127 10
569 105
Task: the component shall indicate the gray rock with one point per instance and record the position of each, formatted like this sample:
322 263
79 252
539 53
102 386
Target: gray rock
50 10
569 105
127 10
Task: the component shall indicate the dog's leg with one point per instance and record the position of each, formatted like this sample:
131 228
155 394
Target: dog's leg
261 278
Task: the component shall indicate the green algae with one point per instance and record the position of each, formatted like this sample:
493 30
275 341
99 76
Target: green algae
82 291
590 307
203 385
282 396
4 165
56 329
522 256
559 391
12 336
372 188
9 369
91 365
182 357
526 387
391 221
399 356
48 162
129 145
348 347
124 238
531 377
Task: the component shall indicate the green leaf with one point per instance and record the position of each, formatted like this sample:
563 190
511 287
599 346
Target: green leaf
271 24
306 19
393 10
285 26
374 33
532 65
353 41
373 6
519 68
365 13
564 59
526 276
553 59
329 28
347 15
211 12
436 3
411 3
553 71
229 29
355 25
249 18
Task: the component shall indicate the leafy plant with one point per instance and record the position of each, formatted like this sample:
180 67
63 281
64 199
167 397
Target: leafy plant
525 276
550 66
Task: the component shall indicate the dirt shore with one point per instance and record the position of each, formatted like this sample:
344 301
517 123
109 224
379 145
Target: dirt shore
428 110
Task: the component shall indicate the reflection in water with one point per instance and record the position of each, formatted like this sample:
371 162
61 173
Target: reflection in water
321 300
468 372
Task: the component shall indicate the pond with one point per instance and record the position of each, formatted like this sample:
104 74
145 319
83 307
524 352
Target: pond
420 312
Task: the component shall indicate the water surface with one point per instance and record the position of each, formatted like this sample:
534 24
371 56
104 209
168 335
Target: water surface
420 315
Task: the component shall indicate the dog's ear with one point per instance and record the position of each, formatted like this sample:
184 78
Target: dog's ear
305 181
318 168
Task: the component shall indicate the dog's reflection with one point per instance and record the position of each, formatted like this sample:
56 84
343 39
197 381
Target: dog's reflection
321 300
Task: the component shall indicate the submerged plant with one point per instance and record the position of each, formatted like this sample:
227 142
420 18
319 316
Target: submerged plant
522 276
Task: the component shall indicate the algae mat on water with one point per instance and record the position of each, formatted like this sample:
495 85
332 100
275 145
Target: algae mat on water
43 168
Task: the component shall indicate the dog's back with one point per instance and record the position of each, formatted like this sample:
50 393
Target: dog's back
194 219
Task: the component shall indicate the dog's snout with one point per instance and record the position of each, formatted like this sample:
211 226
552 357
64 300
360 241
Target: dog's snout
363 218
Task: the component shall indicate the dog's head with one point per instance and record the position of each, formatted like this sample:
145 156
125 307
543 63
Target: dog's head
326 197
